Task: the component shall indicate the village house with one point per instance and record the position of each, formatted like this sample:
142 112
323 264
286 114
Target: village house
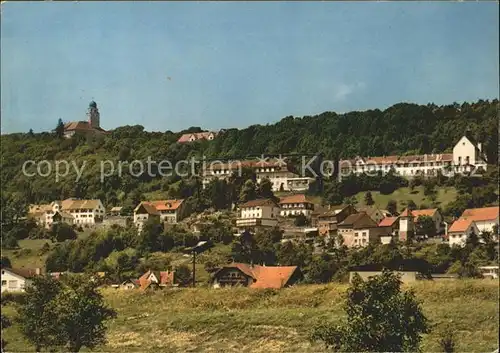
157 279
91 126
374 212
467 155
260 213
278 173
16 280
358 230
391 225
195 136
474 220
167 211
127 284
115 211
294 205
70 211
256 276
143 212
328 221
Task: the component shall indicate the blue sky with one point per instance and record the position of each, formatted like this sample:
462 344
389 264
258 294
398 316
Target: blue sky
169 66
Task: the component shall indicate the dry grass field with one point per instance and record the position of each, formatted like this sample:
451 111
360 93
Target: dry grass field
245 320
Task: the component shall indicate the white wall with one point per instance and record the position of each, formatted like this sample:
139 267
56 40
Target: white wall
12 282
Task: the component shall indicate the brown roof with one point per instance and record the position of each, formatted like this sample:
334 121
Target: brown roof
23 272
197 136
244 164
387 221
81 126
150 209
298 198
482 214
74 204
389 160
265 276
258 202
333 210
358 221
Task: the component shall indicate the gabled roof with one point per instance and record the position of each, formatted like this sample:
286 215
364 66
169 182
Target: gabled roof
406 213
482 214
197 136
23 272
253 163
358 221
298 198
334 210
425 212
64 214
74 204
116 209
166 205
392 160
164 278
81 126
258 202
388 221
460 225
150 209
264 276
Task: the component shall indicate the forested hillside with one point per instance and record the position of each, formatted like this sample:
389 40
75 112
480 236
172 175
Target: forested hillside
402 128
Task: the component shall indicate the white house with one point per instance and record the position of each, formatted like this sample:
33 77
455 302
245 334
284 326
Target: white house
16 280
294 205
168 211
460 231
466 156
278 173
70 211
143 212
258 213
485 218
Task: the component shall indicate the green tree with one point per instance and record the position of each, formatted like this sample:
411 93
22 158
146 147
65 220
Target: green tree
425 225
380 318
5 262
265 189
60 129
36 314
411 205
61 232
447 341
369 199
248 192
392 207
80 314
183 275
300 220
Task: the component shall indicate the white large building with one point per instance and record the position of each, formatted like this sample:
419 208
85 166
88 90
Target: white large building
70 211
16 280
279 173
260 213
466 157
473 220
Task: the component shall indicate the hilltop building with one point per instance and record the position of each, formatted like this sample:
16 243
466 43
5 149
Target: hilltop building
90 126
467 156
196 136
260 213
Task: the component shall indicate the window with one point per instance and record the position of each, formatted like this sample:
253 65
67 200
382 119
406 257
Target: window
4 283
12 284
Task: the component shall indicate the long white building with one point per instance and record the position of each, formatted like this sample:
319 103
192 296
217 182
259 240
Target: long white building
466 157
279 173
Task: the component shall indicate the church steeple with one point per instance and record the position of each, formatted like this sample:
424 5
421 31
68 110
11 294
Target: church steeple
93 115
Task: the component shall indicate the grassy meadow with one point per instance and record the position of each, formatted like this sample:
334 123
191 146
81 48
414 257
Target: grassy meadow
245 320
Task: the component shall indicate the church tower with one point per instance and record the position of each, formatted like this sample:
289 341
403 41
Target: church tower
93 115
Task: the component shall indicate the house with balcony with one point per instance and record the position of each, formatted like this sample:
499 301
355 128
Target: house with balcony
260 213
294 205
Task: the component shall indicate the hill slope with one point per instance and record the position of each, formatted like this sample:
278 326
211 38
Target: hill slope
243 320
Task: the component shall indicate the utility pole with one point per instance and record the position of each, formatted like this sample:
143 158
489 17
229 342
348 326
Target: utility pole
194 268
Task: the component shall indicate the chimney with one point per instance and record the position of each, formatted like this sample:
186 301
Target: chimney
38 271
480 147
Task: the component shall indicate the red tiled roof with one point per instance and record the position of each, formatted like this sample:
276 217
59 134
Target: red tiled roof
80 126
299 198
266 276
387 221
482 214
406 213
150 209
425 212
258 202
235 165
388 160
164 277
460 225
164 205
